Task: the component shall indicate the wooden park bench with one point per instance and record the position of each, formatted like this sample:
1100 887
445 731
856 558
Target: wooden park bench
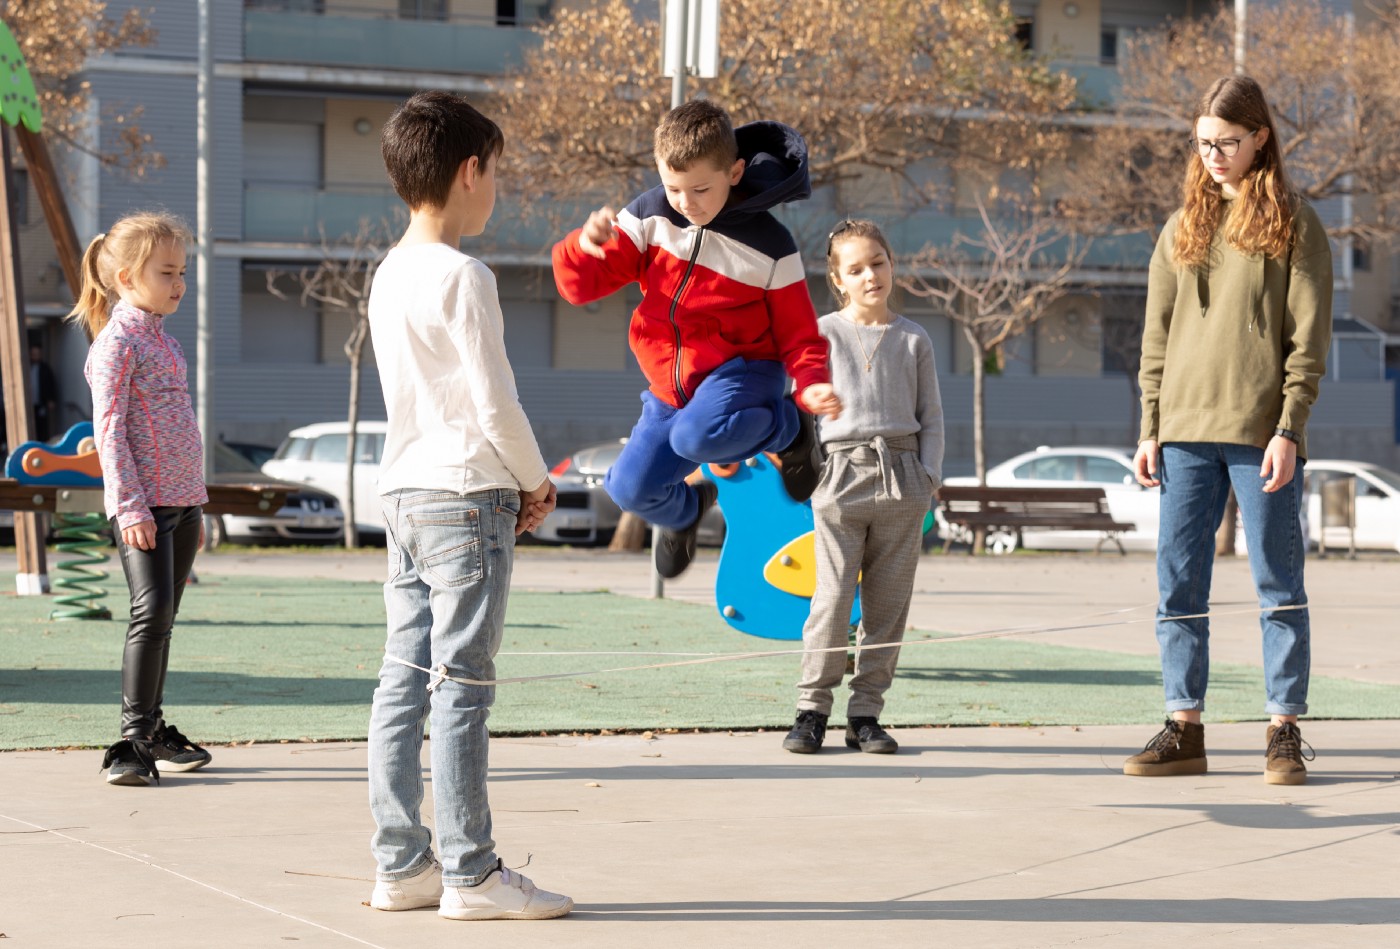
1015 509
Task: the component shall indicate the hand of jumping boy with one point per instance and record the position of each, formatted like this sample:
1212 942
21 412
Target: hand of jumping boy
597 231
142 536
1280 461
821 399
1145 464
535 505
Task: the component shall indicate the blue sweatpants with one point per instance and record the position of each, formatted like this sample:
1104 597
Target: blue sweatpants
738 411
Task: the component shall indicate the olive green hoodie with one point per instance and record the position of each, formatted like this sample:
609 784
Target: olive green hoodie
1236 349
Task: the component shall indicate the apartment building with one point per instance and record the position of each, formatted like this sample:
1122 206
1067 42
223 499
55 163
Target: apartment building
301 90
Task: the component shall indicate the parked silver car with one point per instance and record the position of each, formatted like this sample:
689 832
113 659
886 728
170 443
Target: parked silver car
309 515
585 514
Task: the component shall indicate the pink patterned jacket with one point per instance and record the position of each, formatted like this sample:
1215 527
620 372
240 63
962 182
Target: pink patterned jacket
148 439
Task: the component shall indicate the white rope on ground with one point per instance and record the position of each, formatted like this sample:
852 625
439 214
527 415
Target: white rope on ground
189 879
441 674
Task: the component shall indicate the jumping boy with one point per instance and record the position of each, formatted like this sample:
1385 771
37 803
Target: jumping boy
724 310
460 478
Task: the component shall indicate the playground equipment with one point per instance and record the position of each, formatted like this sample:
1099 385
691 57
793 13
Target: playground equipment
767 566
66 479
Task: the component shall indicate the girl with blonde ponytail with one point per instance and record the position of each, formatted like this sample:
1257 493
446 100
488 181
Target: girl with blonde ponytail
152 457
1239 320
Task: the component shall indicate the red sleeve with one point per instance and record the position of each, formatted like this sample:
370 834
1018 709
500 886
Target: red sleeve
583 278
802 347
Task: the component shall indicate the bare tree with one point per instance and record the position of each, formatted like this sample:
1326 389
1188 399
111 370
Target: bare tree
57 39
998 286
1333 88
341 280
881 94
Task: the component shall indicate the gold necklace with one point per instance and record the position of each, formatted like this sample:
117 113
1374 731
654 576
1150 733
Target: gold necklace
870 355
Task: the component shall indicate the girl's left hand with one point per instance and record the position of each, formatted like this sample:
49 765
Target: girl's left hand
1280 460
142 536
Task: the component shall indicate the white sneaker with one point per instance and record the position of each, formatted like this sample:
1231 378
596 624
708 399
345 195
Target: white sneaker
504 894
422 889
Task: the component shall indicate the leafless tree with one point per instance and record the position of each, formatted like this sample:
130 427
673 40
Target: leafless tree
997 286
57 38
341 280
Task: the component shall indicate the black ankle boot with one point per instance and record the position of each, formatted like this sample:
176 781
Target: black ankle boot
807 733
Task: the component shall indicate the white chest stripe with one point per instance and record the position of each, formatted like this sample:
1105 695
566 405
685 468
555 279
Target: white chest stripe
718 253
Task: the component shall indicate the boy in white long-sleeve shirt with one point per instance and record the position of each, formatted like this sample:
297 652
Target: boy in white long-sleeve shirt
461 476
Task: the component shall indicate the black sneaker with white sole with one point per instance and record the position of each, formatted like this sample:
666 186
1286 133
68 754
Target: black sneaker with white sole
676 549
172 751
129 762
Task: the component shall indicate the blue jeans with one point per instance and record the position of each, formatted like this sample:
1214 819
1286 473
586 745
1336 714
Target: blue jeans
450 559
1196 477
737 412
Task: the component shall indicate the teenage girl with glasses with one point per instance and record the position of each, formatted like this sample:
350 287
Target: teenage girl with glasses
1239 319
884 460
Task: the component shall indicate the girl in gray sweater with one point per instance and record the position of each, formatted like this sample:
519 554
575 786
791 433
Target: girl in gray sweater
884 460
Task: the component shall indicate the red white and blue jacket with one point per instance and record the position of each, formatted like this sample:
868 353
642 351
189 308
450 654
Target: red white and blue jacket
734 287
148 440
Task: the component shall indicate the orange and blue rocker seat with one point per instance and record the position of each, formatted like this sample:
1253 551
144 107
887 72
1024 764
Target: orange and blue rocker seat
71 463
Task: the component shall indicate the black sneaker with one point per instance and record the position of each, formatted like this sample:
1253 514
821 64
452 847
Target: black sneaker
807 733
172 751
800 470
129 762
864 732
676 549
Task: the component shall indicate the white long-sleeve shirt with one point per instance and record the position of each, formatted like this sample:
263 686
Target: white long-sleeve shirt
455 419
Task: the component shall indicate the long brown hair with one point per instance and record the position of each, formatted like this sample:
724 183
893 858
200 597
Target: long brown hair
1260 219
127 246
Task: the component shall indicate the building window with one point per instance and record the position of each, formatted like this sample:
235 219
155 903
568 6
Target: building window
1108 47
277 330
1025 33
1360 256
423 9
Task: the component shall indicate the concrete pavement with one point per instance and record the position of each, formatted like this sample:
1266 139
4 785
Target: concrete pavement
970 837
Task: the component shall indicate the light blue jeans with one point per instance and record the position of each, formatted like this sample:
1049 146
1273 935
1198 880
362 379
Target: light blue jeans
450 559
1196 478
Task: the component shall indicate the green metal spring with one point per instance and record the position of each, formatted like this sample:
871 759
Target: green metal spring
80 534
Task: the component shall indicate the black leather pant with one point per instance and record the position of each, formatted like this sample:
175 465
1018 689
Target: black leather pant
156 579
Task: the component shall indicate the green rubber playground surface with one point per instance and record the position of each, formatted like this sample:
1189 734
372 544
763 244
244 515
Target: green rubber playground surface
268 659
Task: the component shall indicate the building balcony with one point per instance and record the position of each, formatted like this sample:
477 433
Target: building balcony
353 35
291 214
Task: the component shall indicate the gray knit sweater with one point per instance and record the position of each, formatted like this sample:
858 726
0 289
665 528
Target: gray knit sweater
898 396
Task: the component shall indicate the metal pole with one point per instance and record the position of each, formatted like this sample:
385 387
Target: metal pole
680 48
204 261
1241 6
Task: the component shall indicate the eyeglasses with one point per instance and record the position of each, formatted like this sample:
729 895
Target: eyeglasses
1227 147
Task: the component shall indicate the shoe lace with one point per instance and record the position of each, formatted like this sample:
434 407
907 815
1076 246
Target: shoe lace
172 737
131 748
1168 737
1288 743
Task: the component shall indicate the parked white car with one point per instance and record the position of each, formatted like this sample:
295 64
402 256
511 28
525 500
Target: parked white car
1329 486
1076 467
315 455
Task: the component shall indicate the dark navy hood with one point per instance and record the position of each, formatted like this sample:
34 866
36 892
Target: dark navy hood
775 167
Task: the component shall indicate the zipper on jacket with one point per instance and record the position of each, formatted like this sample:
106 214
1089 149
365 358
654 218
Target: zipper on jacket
675 327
